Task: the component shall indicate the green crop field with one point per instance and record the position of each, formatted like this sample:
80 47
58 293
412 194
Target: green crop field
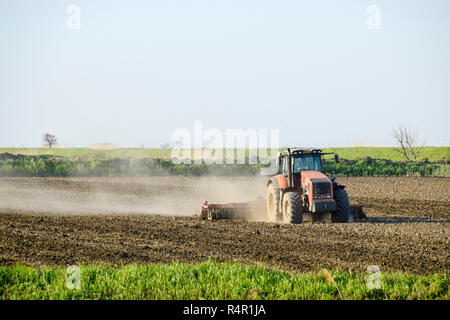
353 153
153 162
211 280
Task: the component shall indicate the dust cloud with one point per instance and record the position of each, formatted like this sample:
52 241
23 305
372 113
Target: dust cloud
179 196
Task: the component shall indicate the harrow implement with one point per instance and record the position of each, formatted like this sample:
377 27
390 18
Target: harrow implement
232 210
252 209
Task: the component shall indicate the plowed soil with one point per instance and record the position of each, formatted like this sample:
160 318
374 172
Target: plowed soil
125 220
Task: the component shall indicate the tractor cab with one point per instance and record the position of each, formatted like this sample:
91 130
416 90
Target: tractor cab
303 160
294 162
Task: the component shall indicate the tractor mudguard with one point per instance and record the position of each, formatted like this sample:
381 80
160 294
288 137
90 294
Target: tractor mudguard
278 181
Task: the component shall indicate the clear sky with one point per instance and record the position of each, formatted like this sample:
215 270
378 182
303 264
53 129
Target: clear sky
137 70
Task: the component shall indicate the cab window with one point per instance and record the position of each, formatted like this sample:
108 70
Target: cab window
307 163
285 167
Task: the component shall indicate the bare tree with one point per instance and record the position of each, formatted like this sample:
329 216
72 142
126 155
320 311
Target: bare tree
49 140
407 142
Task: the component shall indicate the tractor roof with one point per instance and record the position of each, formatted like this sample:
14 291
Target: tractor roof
304 151
301 151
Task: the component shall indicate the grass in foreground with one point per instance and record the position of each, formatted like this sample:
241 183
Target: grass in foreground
211 280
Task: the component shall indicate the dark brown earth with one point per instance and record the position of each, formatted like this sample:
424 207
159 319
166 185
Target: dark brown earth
407 234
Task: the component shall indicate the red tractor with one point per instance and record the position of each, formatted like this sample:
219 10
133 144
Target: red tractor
303 187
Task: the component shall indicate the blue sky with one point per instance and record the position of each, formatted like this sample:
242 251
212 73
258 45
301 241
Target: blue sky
137 70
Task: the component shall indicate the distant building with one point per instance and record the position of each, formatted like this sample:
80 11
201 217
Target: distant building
103 146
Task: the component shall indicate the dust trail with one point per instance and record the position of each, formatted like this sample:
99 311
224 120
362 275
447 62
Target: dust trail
152 195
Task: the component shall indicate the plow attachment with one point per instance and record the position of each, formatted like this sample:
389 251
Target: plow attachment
356 213
232 210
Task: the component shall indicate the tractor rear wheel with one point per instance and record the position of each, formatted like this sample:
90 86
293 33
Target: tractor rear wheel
273 203
343 206
292 208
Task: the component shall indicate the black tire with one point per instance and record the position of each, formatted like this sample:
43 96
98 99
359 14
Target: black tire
292 208
343 207
273 203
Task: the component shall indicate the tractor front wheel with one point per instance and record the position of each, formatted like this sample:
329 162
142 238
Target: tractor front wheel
343 206
292 208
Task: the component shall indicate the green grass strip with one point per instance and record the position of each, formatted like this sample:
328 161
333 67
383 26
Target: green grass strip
211 280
